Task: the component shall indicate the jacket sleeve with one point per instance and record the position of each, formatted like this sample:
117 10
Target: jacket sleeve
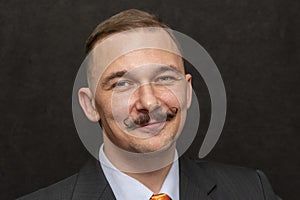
266 187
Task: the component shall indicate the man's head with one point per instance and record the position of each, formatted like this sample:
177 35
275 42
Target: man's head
137 84
123 21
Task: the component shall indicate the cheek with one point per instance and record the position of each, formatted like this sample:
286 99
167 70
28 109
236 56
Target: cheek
103 106
174 97
120 107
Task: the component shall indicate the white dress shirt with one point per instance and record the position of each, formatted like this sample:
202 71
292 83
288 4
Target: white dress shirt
125 187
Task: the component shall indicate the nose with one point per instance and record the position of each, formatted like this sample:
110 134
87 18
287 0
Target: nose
146 98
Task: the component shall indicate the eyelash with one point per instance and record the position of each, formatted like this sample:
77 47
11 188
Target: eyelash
169 77
116 84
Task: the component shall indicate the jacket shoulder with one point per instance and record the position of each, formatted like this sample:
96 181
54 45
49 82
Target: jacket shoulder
61 190
238 181
220 170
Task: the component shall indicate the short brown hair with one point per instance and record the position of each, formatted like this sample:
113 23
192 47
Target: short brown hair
123 21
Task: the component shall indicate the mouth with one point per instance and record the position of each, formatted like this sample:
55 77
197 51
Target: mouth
150 122
152 127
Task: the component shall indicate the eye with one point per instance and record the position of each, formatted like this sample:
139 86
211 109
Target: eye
122 85
165 79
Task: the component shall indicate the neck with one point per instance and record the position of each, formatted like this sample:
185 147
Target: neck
153 180
150 169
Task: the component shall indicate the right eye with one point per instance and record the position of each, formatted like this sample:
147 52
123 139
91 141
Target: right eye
122 85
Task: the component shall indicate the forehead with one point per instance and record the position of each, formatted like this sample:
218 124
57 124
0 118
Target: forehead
145 58
125 47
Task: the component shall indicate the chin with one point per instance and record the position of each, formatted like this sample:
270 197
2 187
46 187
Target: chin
154 144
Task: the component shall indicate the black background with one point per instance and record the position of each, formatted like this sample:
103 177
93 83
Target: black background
255 44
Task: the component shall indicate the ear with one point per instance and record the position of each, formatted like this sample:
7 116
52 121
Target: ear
189 89
86 102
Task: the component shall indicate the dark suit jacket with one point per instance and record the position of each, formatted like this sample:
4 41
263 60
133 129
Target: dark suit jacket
198 180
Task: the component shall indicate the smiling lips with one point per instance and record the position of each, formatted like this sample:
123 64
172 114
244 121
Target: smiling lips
151 121
152 126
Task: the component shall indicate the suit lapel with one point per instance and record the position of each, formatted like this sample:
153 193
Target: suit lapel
91 183
194 183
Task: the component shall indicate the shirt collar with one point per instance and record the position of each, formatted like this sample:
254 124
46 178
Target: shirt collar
123 185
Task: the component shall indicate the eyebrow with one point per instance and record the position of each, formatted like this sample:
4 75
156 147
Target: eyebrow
113 75
120 74
165 68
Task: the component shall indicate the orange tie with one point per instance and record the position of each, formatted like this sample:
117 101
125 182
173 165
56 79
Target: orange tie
161 196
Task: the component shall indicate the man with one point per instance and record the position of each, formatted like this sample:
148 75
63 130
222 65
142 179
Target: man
139 93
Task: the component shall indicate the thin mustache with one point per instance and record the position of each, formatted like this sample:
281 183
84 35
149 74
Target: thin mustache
144 118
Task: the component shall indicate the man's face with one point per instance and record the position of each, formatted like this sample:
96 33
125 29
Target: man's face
142 99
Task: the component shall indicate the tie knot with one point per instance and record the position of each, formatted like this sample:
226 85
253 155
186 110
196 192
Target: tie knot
161 196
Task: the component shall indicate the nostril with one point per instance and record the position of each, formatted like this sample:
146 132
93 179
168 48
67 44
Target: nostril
174 110
143 111
143 119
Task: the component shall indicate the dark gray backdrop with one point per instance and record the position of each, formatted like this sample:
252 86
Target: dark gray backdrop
255 44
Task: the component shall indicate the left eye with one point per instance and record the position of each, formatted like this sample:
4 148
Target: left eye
165 79
121 84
